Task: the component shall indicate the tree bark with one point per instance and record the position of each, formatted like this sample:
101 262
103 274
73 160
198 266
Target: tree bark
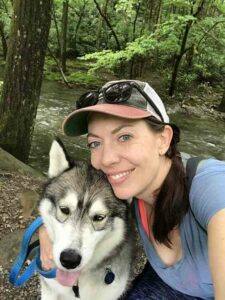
133 38
64 34
56 29
108 24
178 59
23 74
4 43
183 50
80 15
100 23
159 13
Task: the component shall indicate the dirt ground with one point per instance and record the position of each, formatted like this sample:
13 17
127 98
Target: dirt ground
11 223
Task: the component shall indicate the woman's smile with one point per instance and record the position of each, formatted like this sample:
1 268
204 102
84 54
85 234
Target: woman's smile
119 177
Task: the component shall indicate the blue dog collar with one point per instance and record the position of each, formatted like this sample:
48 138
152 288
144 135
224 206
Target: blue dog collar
25 249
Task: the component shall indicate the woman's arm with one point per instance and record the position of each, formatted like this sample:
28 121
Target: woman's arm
216 248
46 249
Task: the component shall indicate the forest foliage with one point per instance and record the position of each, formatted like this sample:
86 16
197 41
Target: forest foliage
178 43
181 40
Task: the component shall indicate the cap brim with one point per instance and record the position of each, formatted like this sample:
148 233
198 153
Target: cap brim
76 123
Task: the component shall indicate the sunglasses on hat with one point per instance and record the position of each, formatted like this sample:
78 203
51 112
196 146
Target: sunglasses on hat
115 93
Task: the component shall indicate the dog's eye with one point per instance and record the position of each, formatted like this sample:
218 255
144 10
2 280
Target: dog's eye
98 218
65 210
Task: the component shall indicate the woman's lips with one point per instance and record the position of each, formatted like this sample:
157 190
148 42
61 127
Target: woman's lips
118 177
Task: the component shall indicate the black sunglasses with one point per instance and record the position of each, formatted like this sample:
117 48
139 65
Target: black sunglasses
115 93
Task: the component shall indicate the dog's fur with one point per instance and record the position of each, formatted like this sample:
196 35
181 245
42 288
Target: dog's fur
83 217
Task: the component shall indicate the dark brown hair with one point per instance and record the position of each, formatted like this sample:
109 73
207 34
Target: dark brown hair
172 201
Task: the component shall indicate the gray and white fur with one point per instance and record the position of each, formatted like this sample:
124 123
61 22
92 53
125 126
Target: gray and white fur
90 230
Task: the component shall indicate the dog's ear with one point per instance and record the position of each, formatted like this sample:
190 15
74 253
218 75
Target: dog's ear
58 159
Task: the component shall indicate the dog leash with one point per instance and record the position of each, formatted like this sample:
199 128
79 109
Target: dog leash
25 249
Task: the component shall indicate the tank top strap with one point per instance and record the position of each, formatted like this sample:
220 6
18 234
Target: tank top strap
143 215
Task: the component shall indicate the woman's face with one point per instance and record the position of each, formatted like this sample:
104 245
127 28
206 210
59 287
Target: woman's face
130 154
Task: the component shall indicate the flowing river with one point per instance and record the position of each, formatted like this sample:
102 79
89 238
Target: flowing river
201 136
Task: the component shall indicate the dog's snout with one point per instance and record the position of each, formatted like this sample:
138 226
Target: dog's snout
70 259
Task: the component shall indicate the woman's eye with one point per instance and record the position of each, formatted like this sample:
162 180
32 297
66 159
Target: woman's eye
125 137
98 218
93 145
65 210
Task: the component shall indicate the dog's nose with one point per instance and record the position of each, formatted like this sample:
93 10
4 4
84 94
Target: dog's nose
70 259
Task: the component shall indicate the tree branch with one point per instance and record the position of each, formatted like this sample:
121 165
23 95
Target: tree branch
59 67
56 25
206 33
108 24
135 20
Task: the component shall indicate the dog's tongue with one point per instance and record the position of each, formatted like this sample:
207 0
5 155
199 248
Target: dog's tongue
67 278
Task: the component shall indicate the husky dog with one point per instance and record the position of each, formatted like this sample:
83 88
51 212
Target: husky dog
90 231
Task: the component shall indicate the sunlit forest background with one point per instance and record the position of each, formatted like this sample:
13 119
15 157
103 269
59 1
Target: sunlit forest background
177 45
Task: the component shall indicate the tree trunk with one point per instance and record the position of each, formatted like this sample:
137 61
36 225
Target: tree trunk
159 13
108 24
100 24
183 49
149 13
54 18
190 57
80 15
222 103
4 43
23 74
178 59
64 34
133 38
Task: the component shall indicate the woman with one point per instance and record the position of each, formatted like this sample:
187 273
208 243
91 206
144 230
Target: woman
133 143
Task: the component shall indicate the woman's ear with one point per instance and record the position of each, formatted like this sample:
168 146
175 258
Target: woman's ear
165 139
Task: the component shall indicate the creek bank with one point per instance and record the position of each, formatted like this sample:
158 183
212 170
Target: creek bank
201 100
9 163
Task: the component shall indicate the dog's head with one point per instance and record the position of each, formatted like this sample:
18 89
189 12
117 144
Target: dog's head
84 219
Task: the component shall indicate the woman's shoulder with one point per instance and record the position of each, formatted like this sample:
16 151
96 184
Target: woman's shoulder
211 165
202 164
208 189
209 178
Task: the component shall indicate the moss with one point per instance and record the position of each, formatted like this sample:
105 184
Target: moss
49 61
77 73
83 77
52 76
77 65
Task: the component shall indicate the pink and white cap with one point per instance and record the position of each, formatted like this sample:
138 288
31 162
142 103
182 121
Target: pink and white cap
136 107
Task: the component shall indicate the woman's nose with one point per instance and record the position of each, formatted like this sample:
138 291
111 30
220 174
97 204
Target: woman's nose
109 155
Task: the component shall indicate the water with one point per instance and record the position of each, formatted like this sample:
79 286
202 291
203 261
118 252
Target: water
56 102
201 136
